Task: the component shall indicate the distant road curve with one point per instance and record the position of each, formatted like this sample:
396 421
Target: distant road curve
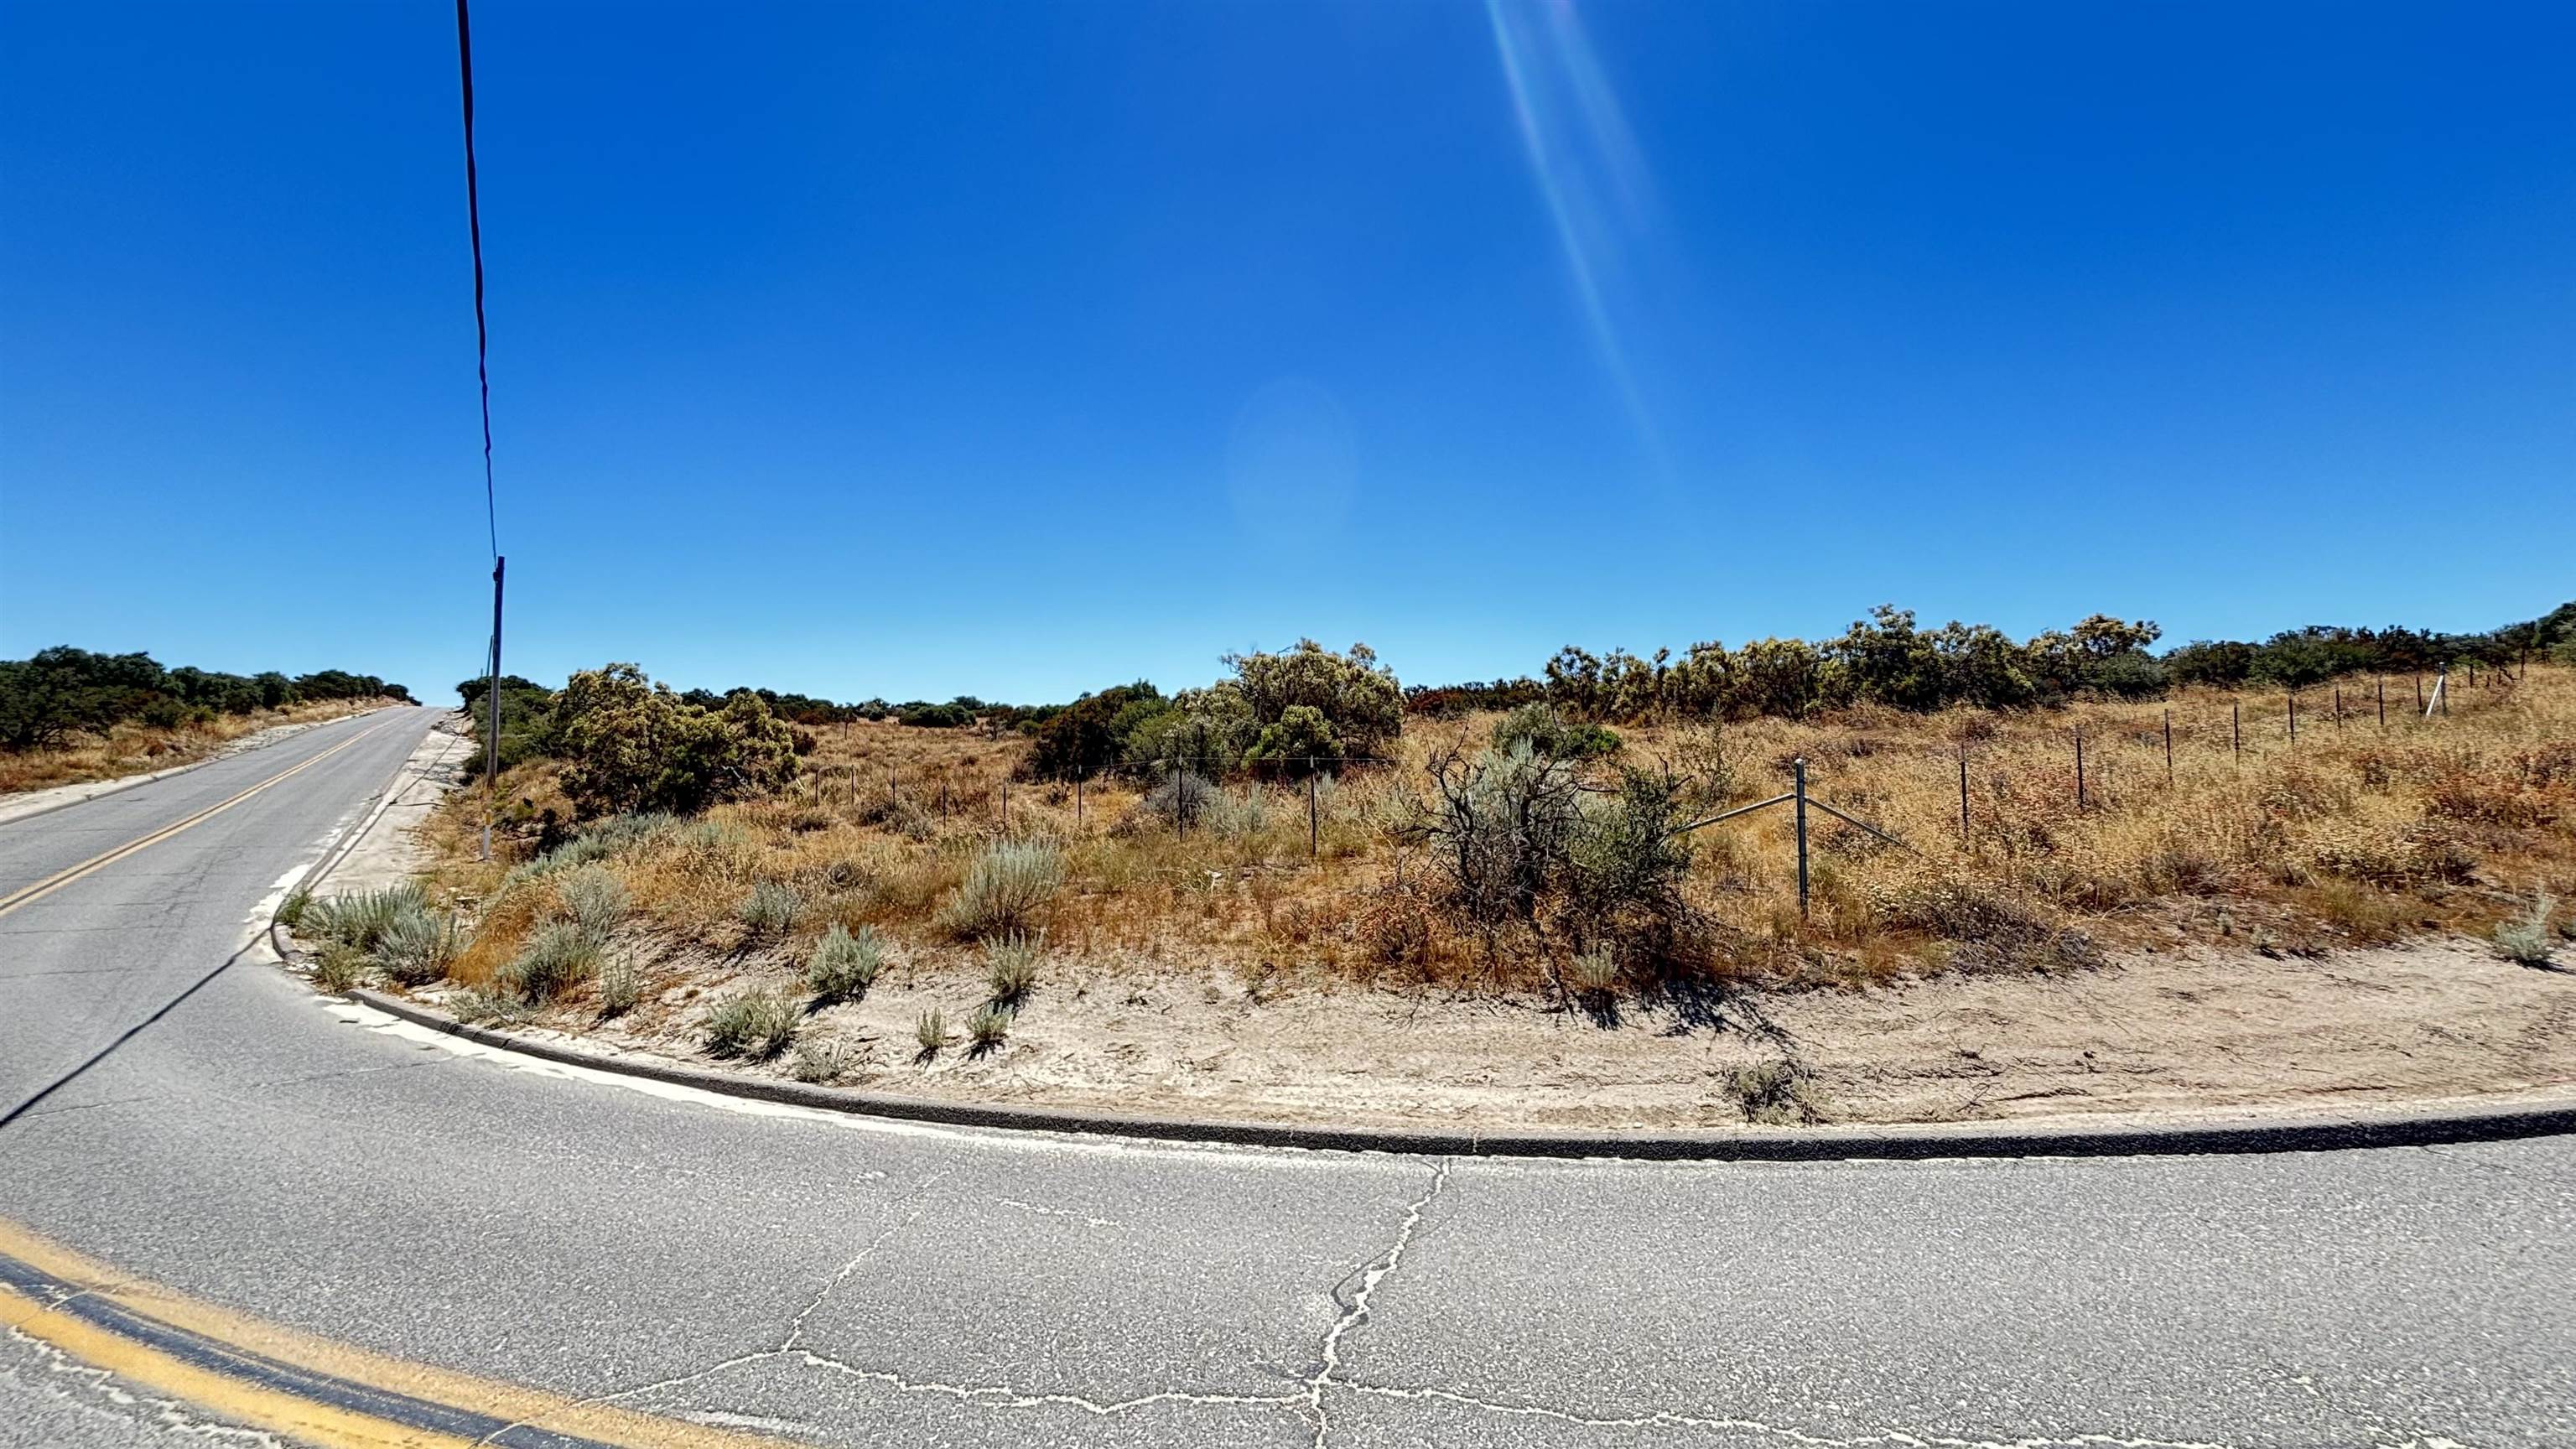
264 1208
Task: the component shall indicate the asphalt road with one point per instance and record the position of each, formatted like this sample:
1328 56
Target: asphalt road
834 1281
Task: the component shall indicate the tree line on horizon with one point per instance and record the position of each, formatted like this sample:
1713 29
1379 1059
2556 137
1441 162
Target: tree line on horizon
1311 709
1889 659
58 693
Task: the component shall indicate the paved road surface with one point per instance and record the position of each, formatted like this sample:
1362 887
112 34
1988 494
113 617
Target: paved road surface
837 1282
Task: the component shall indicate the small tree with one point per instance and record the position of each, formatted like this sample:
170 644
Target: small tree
630 746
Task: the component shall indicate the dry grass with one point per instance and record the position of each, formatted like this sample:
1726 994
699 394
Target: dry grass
2351 835
134 749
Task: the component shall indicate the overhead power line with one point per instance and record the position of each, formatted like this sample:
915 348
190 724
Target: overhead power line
474 227
482 377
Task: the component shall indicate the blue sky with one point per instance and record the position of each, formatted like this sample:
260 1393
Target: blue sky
1018 350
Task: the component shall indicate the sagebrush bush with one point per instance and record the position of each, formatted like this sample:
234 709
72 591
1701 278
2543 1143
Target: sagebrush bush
755 1022
2526 941
823 1059
770 908
339 966
990 1024
361 920
930 1029
1238 814
621 986
478 1006
595 901
1595 972
558 957
290 912
1011 965
418 947
1006 888
1181 799
1775 1093
844 964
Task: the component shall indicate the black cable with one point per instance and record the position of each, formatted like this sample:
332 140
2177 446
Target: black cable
474 224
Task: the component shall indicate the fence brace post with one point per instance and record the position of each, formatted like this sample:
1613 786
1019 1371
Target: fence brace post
1798 773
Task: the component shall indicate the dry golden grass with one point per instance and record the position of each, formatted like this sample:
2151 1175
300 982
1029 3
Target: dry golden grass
133 749
2352 834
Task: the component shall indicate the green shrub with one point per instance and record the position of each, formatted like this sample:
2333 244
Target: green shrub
987 1028
339 966
1593 973
844 964
770 908
361 920
1775 1093
1011 965
1237 814
824 1059
1006 888
1182 799
1552 736
631 746
931 1030
557 958
595 901
418 947
290 912
482 1007
1300 742
621 986
2526 941
755 1022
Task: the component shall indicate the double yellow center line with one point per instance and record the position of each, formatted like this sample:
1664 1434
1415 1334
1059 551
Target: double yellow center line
60 879
243 1371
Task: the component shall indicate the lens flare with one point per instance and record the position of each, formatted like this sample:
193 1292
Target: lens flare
1586 165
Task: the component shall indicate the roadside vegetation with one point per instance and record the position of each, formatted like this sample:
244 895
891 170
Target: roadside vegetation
714 877
68 715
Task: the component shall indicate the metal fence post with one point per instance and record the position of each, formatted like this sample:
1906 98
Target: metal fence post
2169 749
2079 772
2294 716
1314 831
1077 800
1964 837
1798 772
2236 729
2382 683
2338 709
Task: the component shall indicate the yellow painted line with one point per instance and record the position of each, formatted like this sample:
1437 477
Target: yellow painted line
266 1406
228 1398
60 879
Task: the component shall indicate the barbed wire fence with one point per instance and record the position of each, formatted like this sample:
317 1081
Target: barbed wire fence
1194 781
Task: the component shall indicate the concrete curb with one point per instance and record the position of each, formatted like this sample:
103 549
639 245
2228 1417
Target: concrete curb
127 782
2394 1128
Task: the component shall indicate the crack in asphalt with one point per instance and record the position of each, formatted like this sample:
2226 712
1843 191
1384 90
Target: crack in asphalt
1356 1311
796 1326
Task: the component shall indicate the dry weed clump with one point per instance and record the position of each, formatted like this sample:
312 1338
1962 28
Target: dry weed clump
919 840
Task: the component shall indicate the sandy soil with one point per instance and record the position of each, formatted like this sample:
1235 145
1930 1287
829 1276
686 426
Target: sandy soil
2147 1034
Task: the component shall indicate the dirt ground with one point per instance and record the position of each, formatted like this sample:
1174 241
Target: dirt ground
2148 1034
2178 1031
